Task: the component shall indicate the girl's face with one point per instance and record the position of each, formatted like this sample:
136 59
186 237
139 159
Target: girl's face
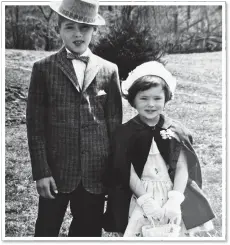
76 36
150 104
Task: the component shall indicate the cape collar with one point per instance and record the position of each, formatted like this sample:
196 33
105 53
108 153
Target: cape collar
163 123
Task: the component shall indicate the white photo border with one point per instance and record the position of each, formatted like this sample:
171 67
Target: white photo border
225 112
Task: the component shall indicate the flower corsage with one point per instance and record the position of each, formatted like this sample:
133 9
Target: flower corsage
167 134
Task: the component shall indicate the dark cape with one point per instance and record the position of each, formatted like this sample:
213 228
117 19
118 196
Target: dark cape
131 144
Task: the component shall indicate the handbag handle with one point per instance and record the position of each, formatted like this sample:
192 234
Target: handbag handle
176 220
152 221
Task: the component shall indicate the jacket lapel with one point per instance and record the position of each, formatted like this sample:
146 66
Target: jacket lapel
67 67
92 69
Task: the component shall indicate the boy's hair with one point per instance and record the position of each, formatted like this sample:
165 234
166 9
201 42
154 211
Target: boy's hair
62 19
145 83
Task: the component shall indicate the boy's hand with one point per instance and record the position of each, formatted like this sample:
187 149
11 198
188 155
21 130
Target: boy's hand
45 186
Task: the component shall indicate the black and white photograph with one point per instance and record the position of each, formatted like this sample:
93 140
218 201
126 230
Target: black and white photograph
113 120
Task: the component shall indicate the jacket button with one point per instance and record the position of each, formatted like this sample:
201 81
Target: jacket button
83 100
83 152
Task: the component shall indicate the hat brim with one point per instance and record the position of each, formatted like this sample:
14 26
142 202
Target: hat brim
151 68
99 21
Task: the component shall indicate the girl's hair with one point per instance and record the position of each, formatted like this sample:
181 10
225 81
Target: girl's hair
145 83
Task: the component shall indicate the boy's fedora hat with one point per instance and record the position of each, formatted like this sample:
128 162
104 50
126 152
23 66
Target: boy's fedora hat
81 11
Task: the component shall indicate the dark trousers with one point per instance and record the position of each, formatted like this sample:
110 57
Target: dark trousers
86 208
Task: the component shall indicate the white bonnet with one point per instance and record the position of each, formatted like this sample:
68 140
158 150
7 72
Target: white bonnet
149 68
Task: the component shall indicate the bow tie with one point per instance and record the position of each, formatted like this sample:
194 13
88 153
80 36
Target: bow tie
72 56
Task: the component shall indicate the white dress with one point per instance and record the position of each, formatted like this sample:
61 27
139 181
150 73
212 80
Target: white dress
156 180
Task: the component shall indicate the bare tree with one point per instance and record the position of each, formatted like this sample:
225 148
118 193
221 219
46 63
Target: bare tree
188 16
14 23
47 15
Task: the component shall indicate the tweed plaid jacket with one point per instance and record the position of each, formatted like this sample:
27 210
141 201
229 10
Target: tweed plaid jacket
69 130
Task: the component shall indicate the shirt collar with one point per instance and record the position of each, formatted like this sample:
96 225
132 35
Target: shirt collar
86 53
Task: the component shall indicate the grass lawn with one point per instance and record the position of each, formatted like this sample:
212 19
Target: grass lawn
197 104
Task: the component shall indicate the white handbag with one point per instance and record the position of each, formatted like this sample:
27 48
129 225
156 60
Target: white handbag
166 230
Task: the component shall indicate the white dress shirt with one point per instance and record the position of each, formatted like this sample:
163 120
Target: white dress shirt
79 67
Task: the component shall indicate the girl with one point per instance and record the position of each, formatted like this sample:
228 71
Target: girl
155 175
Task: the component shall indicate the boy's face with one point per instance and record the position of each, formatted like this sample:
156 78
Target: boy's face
76 36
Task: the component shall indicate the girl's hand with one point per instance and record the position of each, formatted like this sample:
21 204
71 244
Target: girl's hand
45 186
151 208
172 207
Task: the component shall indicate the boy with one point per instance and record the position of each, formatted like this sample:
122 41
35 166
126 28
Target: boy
73 107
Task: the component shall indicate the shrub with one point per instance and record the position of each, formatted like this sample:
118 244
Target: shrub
128 46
